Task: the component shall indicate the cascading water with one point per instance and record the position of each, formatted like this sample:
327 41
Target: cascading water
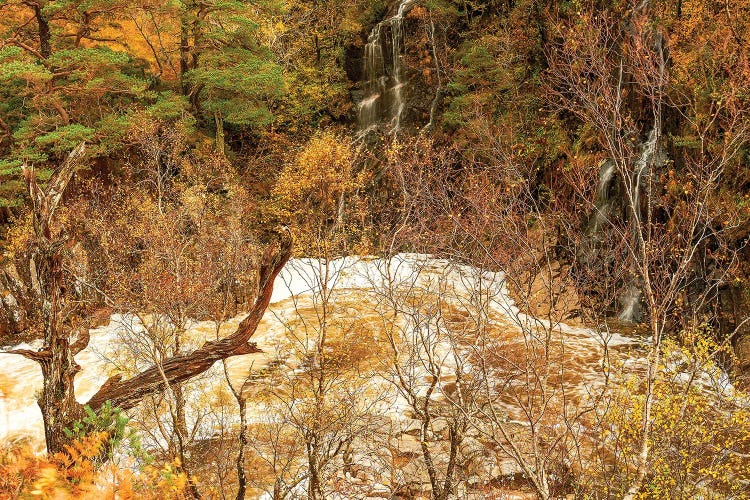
647 158
357 286
383 83
602 201
631 297
631 304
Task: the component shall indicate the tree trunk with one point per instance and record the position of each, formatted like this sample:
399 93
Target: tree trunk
56 357
126 394
57 400
241 479
183 438
313 488
184 52
219 120
45 47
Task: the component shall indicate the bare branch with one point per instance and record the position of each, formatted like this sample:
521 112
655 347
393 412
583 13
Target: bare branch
128 393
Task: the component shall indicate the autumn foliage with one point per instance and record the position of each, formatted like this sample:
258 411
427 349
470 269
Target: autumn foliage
160 162
77 473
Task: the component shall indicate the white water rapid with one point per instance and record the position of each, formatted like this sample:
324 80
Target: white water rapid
361 287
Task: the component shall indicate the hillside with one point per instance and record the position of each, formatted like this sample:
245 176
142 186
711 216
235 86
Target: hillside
397 249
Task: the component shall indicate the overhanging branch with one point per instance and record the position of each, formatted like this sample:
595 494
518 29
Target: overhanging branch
126 394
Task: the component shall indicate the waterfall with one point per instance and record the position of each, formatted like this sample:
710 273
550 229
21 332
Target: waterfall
647 158
631 304
602 201
589 252
383 81
631 297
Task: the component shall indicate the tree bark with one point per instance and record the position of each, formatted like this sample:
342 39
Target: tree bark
241 478
56 357
45 47
219 120
126 394
184 52
314 487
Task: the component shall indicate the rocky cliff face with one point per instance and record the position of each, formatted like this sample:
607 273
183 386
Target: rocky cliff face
400 71
14 317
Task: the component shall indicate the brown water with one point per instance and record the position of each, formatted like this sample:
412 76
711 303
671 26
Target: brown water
366 299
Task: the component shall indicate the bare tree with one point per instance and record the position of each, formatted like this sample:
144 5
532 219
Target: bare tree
604 77
47 255
531 383
425 364
322 387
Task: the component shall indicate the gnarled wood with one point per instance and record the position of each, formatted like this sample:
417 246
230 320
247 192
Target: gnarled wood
56 358
126 394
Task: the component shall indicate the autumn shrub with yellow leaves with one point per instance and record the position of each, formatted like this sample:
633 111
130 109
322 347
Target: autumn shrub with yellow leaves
700 438
317 193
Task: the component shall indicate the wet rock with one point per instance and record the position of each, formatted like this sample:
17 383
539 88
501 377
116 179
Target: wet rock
549 291
742 352
379 491
353 61
406 445
411 427
506 468
12 319
439 428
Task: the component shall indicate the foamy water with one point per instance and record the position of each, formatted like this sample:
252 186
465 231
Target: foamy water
359 286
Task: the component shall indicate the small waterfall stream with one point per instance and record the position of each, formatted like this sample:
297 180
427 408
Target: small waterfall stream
383 82
631 304
631 297
642 166
602 201
606 201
